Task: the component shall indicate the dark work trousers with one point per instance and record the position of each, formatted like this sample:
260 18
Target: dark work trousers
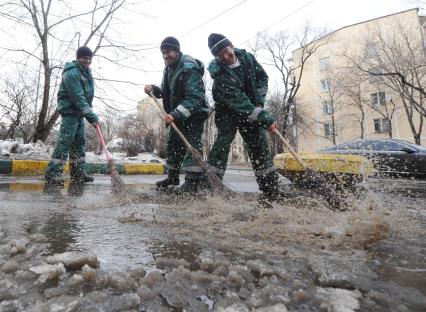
71 142
177 155
254 137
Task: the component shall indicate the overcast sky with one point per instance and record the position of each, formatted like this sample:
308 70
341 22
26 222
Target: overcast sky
191 21
240 20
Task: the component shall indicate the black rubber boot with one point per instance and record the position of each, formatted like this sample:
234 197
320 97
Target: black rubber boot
87 179
171 180
268 184
53 185
195 183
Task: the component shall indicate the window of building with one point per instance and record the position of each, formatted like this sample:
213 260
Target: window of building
327 108
372 50
328 130
378 99
325 85
381 125
374 74
324 63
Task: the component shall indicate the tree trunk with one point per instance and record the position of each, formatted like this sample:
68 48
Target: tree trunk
409 113
417 139
418 135
333 125
43 132
362 123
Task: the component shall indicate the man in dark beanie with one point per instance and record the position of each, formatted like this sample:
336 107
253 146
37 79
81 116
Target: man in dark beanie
183 94
170 43
240 85
75 97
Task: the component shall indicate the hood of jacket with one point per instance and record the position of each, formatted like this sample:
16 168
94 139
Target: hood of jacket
75 65
188 62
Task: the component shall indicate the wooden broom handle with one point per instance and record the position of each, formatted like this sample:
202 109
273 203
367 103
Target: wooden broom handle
101 138
188 145
291 150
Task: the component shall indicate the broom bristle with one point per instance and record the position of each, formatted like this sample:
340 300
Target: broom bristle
212 178
217 185
117 184
324 188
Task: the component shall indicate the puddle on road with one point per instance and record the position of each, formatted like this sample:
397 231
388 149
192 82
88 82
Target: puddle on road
232 252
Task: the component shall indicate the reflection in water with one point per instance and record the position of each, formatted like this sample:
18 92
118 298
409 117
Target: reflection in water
62 231
177 250
71 189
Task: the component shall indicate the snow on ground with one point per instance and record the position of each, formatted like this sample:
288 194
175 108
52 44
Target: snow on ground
10 149
142 158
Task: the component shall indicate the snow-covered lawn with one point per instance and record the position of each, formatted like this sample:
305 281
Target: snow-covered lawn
39 151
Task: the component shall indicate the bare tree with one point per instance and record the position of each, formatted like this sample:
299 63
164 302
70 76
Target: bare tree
134 131
333 105
410 103
350 83
15 110
161 142
48 21
290 66
110 123
394 59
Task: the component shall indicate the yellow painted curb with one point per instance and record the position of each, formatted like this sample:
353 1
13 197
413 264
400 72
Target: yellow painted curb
26 187
25 167
350 164
143 168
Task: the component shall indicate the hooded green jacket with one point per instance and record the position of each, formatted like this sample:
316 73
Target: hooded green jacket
233 95
182 89
76 92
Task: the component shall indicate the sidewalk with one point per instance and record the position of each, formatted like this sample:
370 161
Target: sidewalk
38 167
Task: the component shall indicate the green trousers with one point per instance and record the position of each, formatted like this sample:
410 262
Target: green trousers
70 143
177 155
254 138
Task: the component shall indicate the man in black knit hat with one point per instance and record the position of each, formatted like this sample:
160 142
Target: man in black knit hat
240 85
183 94
75 97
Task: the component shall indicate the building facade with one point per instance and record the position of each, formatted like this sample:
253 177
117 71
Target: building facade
349 89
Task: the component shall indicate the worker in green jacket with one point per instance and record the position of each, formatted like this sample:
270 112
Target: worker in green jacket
75 97
240 85
183 93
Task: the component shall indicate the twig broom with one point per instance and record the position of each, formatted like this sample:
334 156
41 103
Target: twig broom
117 184
213 179
322 186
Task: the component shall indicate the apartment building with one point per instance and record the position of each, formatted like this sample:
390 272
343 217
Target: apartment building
345 93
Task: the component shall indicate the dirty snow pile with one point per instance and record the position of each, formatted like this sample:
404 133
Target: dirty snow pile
141 158
10 149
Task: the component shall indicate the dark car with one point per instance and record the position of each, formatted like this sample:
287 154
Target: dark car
394 158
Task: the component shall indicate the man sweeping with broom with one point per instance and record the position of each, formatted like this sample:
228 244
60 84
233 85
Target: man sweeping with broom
183 94
240 85
75 97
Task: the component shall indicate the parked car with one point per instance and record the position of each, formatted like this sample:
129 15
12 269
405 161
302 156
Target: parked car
392 158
